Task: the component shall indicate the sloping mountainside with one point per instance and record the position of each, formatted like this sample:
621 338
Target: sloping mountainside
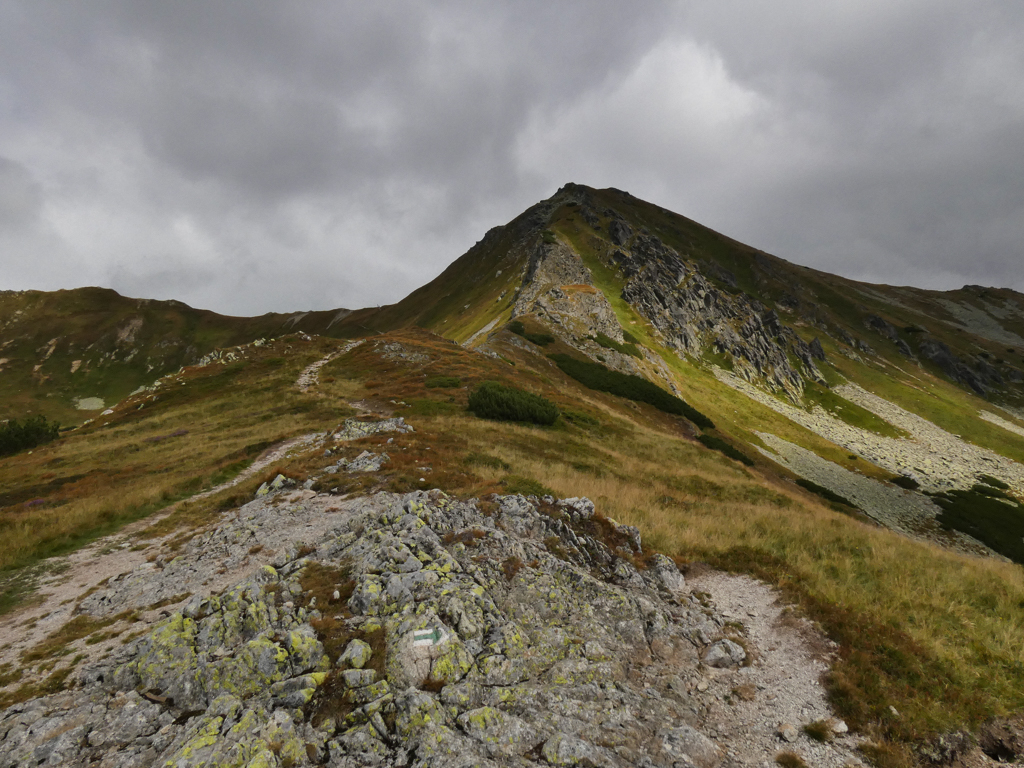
704 295
612 490
69 354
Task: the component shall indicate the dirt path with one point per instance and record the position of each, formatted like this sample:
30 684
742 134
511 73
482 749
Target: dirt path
746 707
310 376
66 579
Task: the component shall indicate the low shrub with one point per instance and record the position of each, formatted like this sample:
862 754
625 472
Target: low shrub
906 482
492 400
596 376
718 444
18 436
442 382
824 492
540 339
610 343
525 486
995 482
988 515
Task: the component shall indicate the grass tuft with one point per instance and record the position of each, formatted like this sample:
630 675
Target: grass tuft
819 730
790 760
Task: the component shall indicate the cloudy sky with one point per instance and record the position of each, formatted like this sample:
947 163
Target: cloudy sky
271 156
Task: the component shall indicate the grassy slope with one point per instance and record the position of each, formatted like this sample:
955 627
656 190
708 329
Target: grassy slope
944 645
93 325
835 300
200 428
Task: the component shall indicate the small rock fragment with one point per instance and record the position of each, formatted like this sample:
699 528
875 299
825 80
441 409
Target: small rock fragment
725 653
356 654
788 732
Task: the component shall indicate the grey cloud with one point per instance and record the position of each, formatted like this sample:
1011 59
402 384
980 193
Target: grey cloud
274 156
20 196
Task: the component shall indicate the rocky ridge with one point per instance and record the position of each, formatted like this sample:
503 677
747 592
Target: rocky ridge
509 632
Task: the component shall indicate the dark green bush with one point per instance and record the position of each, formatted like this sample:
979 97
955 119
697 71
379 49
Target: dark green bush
995 482
19 436
443 382
492 400
824 492
540 339
906 482
988 515
610 343
629 337
718 444
596 376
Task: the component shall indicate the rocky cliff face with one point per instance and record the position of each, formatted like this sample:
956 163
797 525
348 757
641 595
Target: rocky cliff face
408 631
693 314
678 296
558 288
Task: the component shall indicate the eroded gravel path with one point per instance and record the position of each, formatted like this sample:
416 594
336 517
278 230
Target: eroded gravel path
310 376
782 685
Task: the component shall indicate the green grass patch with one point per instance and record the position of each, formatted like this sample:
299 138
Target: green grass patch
525 486
851 413
486 460
988 515
596 376
491 400
609 343
426 407
718 444
580 419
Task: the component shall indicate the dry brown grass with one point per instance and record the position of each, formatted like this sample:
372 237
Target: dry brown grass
198 432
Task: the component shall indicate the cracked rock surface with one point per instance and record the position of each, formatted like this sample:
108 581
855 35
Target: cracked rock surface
514 631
